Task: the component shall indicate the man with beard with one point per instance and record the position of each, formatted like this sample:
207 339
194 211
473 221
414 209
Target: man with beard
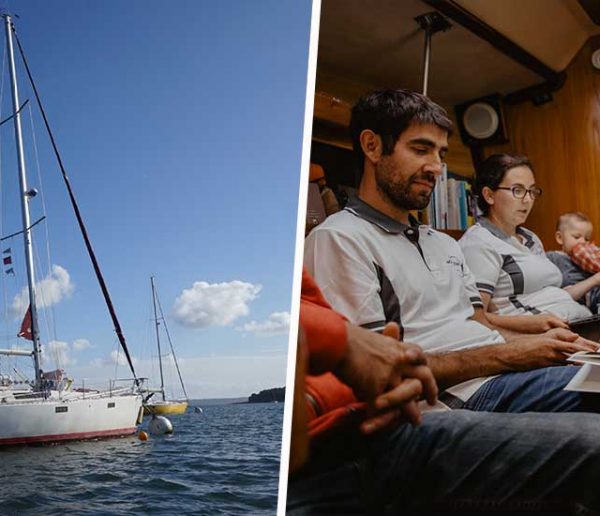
375 265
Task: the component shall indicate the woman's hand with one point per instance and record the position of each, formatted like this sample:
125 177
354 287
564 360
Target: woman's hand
541 323
521 324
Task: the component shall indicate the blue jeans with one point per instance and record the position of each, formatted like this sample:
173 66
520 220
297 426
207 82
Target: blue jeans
539 390
463 461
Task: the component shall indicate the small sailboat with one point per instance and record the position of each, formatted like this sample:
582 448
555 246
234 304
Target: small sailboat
48 408
164 406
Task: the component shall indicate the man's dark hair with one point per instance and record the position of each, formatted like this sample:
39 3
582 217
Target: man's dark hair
491 172
388 113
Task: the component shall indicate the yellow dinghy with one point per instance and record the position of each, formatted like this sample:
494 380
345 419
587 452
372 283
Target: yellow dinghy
160 408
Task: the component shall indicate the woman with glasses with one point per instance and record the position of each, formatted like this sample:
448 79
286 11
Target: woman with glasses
519 286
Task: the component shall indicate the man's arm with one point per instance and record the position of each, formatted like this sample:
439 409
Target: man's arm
522 354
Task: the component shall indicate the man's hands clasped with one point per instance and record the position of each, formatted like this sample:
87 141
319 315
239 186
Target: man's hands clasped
391 376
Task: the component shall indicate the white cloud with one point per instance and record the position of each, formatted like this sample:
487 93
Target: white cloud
117 358
57 353
81 344
216 304
48 291
277 323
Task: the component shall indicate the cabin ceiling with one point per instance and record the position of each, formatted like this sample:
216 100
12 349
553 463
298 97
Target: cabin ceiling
365 44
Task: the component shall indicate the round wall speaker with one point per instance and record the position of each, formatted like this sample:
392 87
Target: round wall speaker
596 59
480 121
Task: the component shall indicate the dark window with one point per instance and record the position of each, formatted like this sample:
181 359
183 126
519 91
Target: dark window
61 409
111 404
338 164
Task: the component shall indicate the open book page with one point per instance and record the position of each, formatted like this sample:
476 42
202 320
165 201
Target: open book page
586 380
585 357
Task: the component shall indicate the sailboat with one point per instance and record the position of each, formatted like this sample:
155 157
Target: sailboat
47 408
164 406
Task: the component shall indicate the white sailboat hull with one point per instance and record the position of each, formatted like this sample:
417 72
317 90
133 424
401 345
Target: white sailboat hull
74 417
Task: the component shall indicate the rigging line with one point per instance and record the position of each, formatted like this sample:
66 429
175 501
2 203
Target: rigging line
51 316
48 312
22 231
39 174
149 345
15 113
171 345
116 373
103 287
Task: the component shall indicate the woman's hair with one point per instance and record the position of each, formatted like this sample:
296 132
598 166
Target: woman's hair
491 172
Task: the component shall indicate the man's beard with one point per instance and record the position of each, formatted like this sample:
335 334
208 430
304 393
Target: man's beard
400 194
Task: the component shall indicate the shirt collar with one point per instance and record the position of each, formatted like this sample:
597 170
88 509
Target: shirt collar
497 232
365 211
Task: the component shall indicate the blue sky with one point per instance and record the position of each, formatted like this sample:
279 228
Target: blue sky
180 125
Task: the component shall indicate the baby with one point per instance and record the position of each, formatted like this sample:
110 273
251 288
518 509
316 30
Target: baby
579 259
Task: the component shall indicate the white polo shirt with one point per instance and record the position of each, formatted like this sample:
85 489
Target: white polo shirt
518 275
374 270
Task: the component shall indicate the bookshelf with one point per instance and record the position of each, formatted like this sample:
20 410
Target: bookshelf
452 205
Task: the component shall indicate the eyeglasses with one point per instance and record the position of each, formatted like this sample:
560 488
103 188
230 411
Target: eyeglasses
519 191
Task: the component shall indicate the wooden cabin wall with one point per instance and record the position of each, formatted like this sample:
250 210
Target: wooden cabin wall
562 140
458 158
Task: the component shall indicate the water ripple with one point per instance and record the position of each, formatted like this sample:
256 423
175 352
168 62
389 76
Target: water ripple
223 461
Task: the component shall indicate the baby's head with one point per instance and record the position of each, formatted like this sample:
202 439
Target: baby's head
571 229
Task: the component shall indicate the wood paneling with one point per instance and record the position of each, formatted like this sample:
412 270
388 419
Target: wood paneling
459 155
562 140
332 109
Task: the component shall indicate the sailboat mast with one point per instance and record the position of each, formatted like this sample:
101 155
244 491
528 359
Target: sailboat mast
156 323
162 316
25 196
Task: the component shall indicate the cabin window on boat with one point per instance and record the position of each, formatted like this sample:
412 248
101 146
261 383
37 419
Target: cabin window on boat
111 404
61 409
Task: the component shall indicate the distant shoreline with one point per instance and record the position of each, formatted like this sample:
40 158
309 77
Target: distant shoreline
273 395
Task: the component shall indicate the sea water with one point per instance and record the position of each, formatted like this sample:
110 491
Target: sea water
224 460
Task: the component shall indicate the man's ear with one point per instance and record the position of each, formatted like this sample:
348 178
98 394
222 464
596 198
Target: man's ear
559 238
488 195
371 145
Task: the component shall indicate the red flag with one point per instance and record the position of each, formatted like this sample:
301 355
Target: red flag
26 326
